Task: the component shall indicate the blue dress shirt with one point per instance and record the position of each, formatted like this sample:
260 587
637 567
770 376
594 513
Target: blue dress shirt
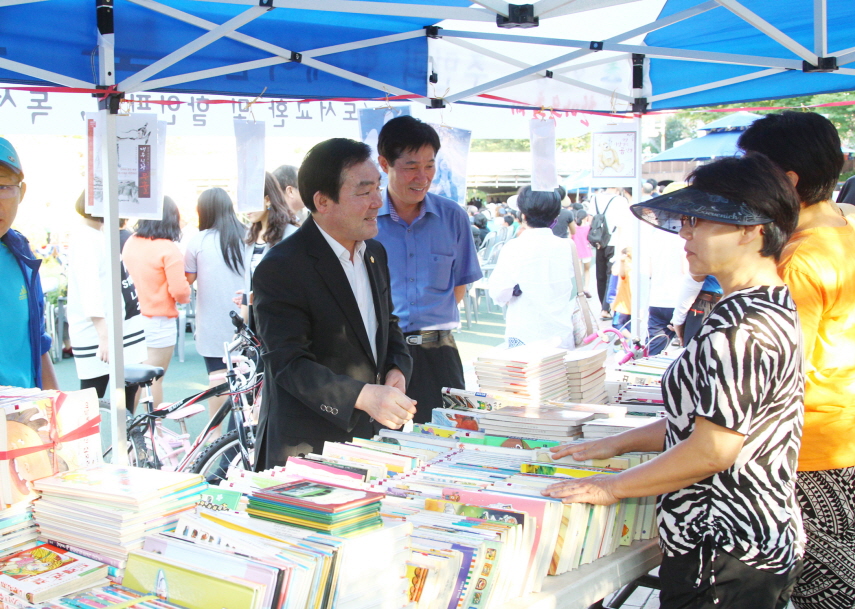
427 260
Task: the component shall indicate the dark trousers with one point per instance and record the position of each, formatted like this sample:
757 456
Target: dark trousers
702 306
737 585
100 383
658 319
435 365
603 269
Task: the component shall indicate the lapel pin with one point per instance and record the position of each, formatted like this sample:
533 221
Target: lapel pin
371 258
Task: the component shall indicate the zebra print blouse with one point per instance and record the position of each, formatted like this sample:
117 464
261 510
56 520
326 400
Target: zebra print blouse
744 371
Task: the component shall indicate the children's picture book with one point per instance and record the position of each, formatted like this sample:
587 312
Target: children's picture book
318 496
45 572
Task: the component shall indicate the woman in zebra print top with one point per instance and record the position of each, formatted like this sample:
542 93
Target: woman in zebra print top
730 528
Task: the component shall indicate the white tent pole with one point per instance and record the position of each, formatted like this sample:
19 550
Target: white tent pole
547 9
715 85
521 64
150 85
16 2
770 30
110 192
636 329
820 27
388 9
497 6
191 47
847 57
21 68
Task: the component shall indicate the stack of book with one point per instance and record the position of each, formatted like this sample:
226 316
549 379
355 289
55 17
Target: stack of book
544 423
31 420
603 428
328 508
459 399
647 370
44 572
535 373
17 527
641 399
105 511
586 376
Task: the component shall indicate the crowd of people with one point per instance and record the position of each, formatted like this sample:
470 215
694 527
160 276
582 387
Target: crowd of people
355 301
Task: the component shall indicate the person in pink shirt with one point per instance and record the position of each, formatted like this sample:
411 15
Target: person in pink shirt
156 265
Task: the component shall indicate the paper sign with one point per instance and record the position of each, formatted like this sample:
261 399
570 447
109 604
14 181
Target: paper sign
544 176
249 137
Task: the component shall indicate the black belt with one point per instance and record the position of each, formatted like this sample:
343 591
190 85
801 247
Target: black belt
425 336
709 296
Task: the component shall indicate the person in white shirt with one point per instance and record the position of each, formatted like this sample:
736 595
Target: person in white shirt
534 275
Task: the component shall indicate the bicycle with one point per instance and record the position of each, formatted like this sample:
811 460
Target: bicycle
152 445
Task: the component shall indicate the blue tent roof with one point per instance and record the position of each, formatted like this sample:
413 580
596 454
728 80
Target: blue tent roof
711 146
736 121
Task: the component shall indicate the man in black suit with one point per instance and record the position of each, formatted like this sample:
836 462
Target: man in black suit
336 363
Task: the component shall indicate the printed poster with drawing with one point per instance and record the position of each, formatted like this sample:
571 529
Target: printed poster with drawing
140 150
450 179
614 158
371 121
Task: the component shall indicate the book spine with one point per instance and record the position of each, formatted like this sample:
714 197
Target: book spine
112 562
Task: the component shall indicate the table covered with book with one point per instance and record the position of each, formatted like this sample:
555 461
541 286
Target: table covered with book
447 515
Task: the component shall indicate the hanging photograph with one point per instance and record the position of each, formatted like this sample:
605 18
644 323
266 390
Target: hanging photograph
140 143
614 154
450 179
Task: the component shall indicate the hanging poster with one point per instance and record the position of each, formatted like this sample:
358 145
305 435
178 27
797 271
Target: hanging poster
249 137
544 175
140 146
614 158
450 179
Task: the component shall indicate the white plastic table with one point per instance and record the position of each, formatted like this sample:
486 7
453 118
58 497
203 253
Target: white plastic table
586 585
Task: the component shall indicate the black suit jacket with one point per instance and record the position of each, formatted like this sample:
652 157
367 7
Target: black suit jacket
316 352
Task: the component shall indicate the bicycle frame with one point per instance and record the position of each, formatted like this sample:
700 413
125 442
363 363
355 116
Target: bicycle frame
240 381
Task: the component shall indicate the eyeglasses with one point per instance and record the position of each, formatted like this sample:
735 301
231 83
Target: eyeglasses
8 191
692 221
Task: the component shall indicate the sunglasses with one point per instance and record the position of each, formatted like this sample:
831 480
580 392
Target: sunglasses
692 221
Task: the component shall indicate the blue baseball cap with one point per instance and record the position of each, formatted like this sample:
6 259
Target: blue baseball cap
9 157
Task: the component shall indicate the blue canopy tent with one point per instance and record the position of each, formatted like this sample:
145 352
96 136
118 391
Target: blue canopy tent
614 56
718 142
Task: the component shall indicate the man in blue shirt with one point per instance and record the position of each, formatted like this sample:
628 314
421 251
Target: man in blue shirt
431 258
24 358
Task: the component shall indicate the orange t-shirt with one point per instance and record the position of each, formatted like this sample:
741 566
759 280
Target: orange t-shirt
157 268
818 265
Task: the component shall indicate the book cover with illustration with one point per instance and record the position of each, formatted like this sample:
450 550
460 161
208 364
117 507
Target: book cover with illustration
318 496
45 572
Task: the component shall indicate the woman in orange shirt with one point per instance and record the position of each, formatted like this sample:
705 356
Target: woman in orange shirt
157 268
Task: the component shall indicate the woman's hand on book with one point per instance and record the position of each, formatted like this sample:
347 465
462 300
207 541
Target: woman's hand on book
595 449
593 489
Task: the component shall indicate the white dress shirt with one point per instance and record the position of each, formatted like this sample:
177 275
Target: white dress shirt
357 277
542 265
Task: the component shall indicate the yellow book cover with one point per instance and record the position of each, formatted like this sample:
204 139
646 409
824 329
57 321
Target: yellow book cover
185 585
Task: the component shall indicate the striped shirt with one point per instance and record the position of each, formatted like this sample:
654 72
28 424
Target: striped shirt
743 371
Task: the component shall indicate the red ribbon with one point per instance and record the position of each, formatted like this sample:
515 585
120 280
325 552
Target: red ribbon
89 428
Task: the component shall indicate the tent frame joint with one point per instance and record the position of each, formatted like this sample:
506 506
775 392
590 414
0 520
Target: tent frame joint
639 105
596 45
296 57
519 15
436 102
549 74
823 64
266 4
109 101
433 31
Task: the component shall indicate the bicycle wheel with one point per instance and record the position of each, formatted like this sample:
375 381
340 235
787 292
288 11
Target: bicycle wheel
214 462
137 450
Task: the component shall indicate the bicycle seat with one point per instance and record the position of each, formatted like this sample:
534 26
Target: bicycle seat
141 374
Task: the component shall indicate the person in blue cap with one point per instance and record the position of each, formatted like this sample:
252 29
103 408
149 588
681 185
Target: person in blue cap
24 358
